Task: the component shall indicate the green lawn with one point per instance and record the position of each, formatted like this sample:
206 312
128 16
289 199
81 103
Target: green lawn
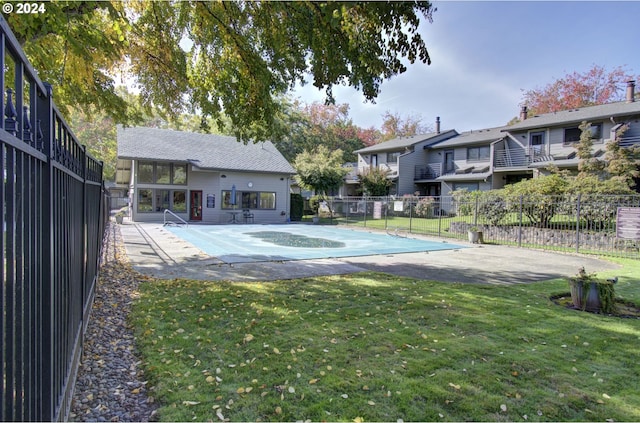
375 347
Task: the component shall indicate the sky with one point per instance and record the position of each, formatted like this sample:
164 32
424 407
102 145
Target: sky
486 54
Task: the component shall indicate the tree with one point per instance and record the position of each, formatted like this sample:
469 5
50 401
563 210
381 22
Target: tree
619 169
588 164
596 86
375 181
234 58
394 126
98 133
320 170
622 162
331 126
301 126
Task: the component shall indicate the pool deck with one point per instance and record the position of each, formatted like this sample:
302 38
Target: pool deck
155 251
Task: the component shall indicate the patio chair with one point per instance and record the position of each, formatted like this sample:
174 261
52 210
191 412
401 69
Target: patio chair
247 215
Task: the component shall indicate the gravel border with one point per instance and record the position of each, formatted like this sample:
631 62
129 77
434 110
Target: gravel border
110 385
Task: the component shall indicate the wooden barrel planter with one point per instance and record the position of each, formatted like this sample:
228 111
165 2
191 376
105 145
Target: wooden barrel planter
591 294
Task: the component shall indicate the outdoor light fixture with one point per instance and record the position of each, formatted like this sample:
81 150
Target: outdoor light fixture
223 176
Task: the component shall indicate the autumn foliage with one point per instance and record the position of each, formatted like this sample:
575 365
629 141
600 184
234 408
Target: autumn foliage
596 86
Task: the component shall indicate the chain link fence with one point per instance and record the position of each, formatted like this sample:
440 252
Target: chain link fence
589 224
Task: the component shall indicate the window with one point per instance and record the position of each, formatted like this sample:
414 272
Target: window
250 200
469 186
267 200
145 200
162 173
596 131
162 199
537 138
478 153
537 143
150 200
179 201
572 135
449 165
179 174
145 173
393 157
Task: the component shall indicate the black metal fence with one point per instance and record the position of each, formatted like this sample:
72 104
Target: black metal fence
573 223
54 213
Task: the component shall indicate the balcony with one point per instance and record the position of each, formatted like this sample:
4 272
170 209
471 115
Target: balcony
430 171
511 158
630 141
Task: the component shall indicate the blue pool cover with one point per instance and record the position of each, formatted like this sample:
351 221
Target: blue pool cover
254 243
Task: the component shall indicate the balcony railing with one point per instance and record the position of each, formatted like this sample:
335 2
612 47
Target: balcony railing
430 171
629 141
511 158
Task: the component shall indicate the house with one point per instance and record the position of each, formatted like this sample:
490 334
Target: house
492 158
464 161
201 177
408 161
535 143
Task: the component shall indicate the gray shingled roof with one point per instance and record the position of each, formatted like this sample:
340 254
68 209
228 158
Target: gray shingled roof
205 151
482 136
603 111
400 143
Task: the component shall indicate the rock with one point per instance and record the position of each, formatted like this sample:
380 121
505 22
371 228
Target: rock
109 360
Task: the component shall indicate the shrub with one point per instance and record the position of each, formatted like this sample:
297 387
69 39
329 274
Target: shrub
424 207
314 203
464 201
375 181
596 207
541 197
492 207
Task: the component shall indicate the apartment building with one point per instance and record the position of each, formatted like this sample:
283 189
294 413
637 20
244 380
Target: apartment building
439 163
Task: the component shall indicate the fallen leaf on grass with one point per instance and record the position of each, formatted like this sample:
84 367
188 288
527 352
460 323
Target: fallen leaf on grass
454 386
313 381
503 407
190 403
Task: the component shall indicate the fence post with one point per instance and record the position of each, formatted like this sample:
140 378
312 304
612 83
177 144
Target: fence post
475 213
520 221
331 211
366 209
47 405
440 217
410 215
386 212
578 223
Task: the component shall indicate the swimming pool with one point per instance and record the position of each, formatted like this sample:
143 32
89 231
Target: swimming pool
284 242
